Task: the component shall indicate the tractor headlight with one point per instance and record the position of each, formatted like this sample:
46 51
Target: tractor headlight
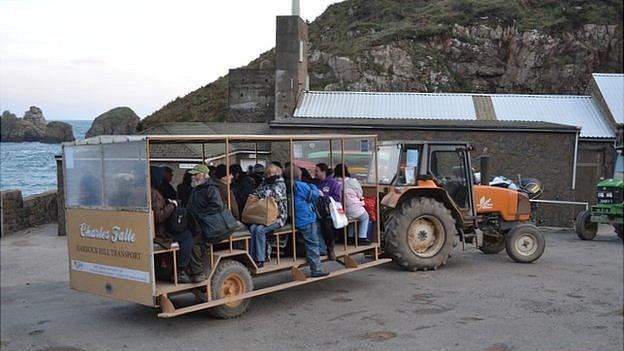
609 195
601 195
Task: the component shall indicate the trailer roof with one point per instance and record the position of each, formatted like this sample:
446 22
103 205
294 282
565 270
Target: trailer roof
179 139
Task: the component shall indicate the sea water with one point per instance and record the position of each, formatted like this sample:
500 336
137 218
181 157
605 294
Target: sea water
30 167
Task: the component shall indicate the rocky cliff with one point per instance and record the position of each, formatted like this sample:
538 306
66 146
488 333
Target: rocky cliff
482 46
118 121
34 127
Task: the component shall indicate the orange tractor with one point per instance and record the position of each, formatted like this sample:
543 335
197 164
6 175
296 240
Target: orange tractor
429 200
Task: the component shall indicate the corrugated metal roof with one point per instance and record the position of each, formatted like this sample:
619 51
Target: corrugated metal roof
580 111
611 87
386 105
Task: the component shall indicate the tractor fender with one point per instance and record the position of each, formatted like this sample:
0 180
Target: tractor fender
395 198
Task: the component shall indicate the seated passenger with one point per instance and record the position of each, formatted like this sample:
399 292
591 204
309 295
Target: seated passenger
222 179
242 185
185 188
257 174
273 186
162 210
354 203
165 187
278 164
204 202
305 221
331 189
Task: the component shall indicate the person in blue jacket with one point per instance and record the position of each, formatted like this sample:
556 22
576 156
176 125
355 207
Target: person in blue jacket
306 221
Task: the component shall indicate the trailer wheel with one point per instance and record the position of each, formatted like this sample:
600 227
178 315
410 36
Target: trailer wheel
525 243
420 234
492 244
618 230
585 229
231 278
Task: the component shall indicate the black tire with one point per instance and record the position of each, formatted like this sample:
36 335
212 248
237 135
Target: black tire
492 244
429 220
230 272
585 229
618 230
525 243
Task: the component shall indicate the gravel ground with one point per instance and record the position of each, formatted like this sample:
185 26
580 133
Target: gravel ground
571 299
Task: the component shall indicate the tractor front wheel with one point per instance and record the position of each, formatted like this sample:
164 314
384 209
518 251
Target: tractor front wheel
585 229
525 243
420 234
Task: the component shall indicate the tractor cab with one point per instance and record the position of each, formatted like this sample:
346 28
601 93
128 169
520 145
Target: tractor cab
442 167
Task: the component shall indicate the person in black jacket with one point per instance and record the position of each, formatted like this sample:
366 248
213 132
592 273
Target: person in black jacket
242 186
204 200
165 185
185 188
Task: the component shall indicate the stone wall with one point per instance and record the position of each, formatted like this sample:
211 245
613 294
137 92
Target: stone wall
60 198
251 95
20 213
546 156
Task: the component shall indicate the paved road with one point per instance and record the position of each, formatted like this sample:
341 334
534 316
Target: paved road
571 299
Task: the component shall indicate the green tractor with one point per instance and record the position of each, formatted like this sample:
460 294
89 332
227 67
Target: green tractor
609 208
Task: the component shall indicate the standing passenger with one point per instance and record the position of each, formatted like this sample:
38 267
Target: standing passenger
305 221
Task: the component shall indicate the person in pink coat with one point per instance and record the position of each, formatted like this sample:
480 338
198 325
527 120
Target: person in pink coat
354 203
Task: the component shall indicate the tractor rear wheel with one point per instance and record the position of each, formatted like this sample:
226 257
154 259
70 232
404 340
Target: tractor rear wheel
525 243
585 229
231 278
492 244
420 234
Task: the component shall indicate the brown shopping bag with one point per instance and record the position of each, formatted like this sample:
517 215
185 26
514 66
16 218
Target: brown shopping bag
260 210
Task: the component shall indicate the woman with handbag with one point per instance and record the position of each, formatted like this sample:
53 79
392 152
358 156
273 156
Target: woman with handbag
305 221
354 203
273 187
331 189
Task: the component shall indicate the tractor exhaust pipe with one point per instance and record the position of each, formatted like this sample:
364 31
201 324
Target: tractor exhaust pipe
485 169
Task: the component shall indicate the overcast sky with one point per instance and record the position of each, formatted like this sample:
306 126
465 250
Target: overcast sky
78 59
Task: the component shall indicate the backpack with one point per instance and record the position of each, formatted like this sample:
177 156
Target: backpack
321 207
178 220
214 227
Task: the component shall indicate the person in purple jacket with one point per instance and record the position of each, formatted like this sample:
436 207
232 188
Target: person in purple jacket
330 188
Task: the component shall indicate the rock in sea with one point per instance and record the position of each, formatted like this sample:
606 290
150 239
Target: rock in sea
34 127
118 121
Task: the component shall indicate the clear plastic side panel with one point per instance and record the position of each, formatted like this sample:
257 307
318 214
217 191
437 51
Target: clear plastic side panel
83 175
125 179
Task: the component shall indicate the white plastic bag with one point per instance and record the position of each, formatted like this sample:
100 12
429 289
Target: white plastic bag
338 215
